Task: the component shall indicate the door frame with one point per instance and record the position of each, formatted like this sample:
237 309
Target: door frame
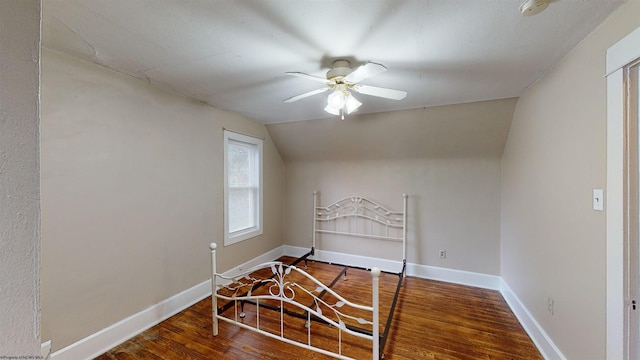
619 56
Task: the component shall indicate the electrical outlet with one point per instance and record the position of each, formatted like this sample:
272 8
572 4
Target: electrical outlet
550 303
443 254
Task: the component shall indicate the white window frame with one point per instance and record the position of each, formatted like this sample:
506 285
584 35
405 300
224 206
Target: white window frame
232 238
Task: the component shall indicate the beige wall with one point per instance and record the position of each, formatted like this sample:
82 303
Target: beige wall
132 191
470 130
132 194
454 204
553 243
19 186
453 186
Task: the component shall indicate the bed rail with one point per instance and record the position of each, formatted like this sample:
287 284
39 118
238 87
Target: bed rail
282 288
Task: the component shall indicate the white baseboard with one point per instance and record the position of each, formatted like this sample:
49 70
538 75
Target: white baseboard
100 342
105 339
423 271
346 259
540 338
266 257
45 349
295 251
461 277
494 282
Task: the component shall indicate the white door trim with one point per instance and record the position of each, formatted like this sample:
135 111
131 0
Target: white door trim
618 56
623 52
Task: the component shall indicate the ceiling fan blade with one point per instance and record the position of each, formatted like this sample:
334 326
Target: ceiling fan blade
307 94
367 70
380 92
310 77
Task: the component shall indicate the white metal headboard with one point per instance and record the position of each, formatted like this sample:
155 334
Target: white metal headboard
389 225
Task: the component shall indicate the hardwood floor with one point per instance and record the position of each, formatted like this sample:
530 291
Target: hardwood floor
433 320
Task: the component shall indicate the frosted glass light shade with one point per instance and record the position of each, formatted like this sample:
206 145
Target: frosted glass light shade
336 99
351 104
331 110
341 102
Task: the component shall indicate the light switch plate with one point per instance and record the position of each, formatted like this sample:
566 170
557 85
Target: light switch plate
598 199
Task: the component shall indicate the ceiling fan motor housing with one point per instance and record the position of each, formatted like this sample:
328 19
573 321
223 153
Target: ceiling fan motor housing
341 68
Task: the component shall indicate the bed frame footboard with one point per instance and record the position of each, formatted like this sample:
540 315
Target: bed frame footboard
280 287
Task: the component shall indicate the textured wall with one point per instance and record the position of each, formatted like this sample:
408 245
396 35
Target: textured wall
553 243
447 159
19 178
454 204
132 194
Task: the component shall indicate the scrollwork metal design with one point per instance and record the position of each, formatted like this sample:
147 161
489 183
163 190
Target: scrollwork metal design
280 288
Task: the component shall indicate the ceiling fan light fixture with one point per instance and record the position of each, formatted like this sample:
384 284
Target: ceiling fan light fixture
332 110
341 102
351 104
341 80
336 99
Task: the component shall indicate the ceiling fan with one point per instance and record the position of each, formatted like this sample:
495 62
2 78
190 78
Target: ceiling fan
341 79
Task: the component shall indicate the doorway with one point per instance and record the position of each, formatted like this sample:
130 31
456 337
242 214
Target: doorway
632 213
623 208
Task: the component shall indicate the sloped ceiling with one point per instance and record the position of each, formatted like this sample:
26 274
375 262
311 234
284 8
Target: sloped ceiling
478 129
233 54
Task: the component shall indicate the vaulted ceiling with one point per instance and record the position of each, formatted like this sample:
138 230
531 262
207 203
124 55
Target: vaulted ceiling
470 130
234 54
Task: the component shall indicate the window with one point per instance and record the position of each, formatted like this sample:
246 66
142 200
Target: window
242 187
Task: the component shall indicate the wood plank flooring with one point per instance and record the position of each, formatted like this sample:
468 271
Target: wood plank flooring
433 320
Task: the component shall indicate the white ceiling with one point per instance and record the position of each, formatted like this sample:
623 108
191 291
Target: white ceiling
234 54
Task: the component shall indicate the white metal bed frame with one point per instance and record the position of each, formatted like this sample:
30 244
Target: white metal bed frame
355 207
350 212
